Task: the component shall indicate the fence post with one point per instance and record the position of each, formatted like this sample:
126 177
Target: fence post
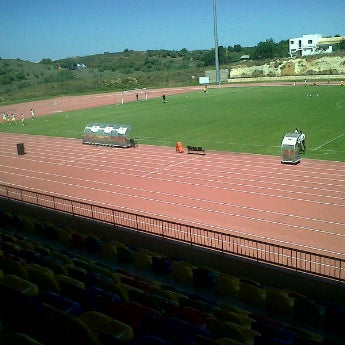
162 229
136 222
113 217
92 216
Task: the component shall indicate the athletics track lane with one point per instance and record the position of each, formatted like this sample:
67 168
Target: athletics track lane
250 195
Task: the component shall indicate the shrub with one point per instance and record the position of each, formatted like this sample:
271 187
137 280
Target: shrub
257 73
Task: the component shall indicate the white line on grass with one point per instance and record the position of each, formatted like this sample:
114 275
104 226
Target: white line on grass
329 141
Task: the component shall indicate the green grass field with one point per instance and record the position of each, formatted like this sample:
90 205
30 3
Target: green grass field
241 119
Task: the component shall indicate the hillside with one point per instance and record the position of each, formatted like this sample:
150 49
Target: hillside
23 80
102 73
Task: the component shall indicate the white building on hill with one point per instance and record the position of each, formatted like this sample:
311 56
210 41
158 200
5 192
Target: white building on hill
311 44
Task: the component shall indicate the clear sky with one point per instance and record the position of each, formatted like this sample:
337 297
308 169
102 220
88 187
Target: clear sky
36 29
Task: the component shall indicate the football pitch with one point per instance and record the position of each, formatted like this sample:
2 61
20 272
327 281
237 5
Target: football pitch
236 119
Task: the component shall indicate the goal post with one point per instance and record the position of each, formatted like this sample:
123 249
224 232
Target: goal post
133 95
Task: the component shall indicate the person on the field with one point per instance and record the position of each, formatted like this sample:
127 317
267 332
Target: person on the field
302 141
14 119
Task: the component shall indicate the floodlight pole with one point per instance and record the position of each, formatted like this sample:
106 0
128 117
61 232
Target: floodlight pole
216 55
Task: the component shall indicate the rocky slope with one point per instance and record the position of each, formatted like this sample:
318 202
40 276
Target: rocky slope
325 65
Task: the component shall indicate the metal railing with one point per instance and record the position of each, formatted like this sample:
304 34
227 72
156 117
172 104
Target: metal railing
227 243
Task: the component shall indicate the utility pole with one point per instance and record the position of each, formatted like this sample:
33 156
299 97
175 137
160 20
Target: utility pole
216 55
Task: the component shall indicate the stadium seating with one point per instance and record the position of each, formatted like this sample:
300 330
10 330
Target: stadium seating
182 271
252 293
227 285
58 286
19 339
279 301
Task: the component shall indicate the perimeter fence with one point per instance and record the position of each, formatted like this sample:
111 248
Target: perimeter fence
224 242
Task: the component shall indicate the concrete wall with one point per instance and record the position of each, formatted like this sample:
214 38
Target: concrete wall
223 73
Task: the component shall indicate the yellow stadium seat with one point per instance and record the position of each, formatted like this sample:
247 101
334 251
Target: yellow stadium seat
100 324
227 285
43 277
20 285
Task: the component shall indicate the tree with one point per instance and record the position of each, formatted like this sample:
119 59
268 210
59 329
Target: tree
342 44
282 48
222 56
237 48
208 58
265 50
46 61
183 52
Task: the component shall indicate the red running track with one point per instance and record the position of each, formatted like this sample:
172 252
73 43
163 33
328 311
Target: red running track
69 103
249 195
